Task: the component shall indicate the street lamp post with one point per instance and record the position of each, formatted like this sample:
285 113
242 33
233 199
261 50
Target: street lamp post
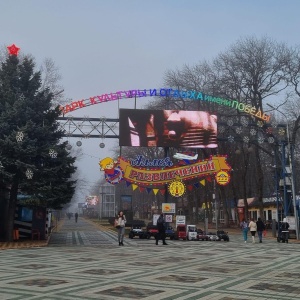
101 202
291 170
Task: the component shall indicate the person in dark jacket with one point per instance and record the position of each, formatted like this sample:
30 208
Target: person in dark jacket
284 230
161 230
260 228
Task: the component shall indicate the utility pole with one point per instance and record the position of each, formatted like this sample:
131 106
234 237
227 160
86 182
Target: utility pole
289 146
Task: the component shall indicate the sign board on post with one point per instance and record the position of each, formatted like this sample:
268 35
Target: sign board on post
291 221
180 220
168 218
168 208
154 220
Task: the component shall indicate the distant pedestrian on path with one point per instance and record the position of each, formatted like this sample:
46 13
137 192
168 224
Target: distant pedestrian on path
284 230
244 227
260 228
76 217
120 225
161 226
253 228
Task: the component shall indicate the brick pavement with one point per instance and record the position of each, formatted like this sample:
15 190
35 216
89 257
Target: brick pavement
78 265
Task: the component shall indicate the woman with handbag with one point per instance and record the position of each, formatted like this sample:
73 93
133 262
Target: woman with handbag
120 225
253 229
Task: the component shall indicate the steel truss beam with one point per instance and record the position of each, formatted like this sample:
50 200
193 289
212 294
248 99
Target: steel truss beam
90 127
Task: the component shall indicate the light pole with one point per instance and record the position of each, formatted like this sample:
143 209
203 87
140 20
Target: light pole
291 170
101 201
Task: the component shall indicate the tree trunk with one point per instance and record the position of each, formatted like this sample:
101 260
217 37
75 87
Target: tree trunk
225 207
260 185
10 211
246 216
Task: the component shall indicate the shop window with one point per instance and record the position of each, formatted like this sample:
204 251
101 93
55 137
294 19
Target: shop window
269 215
254 215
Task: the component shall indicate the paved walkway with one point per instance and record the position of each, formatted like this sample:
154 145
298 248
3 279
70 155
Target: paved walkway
83 262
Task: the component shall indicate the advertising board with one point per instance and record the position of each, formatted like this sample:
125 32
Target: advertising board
168 208
291 221
180 220
167 128
169 218
154 219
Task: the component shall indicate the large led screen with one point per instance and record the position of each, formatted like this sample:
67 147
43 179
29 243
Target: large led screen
167 128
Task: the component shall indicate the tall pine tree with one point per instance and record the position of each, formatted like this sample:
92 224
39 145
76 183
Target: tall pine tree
25 107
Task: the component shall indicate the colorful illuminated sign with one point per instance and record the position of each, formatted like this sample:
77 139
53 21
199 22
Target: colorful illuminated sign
112 172
160 177
222 178
176 188
166 92
141 161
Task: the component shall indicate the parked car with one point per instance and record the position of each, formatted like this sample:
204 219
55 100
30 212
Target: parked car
170 233
201 235
213 236
191 232
151 230
223 235
137 231
180 232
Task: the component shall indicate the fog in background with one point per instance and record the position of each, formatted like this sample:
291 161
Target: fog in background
107 46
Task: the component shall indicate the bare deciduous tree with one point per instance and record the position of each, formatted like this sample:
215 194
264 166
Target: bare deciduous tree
51 80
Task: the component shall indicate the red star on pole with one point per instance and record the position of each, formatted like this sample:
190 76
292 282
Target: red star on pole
13 49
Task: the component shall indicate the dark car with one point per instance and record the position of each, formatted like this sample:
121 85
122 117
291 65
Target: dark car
170 233
201 235
213 236
223 235
151 230
137 231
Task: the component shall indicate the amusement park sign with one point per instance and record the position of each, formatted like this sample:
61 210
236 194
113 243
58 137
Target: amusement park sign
159 176
166 92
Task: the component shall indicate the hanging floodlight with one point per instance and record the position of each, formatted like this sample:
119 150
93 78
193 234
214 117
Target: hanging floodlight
69 147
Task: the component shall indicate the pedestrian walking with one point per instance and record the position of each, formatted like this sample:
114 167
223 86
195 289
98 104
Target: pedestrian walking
76 217
120 225
161 226
284 230
244 227
260 228
253 228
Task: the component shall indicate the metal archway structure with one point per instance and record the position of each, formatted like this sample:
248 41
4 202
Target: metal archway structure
86 127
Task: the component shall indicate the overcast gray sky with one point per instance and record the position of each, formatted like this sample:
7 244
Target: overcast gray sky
103 46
